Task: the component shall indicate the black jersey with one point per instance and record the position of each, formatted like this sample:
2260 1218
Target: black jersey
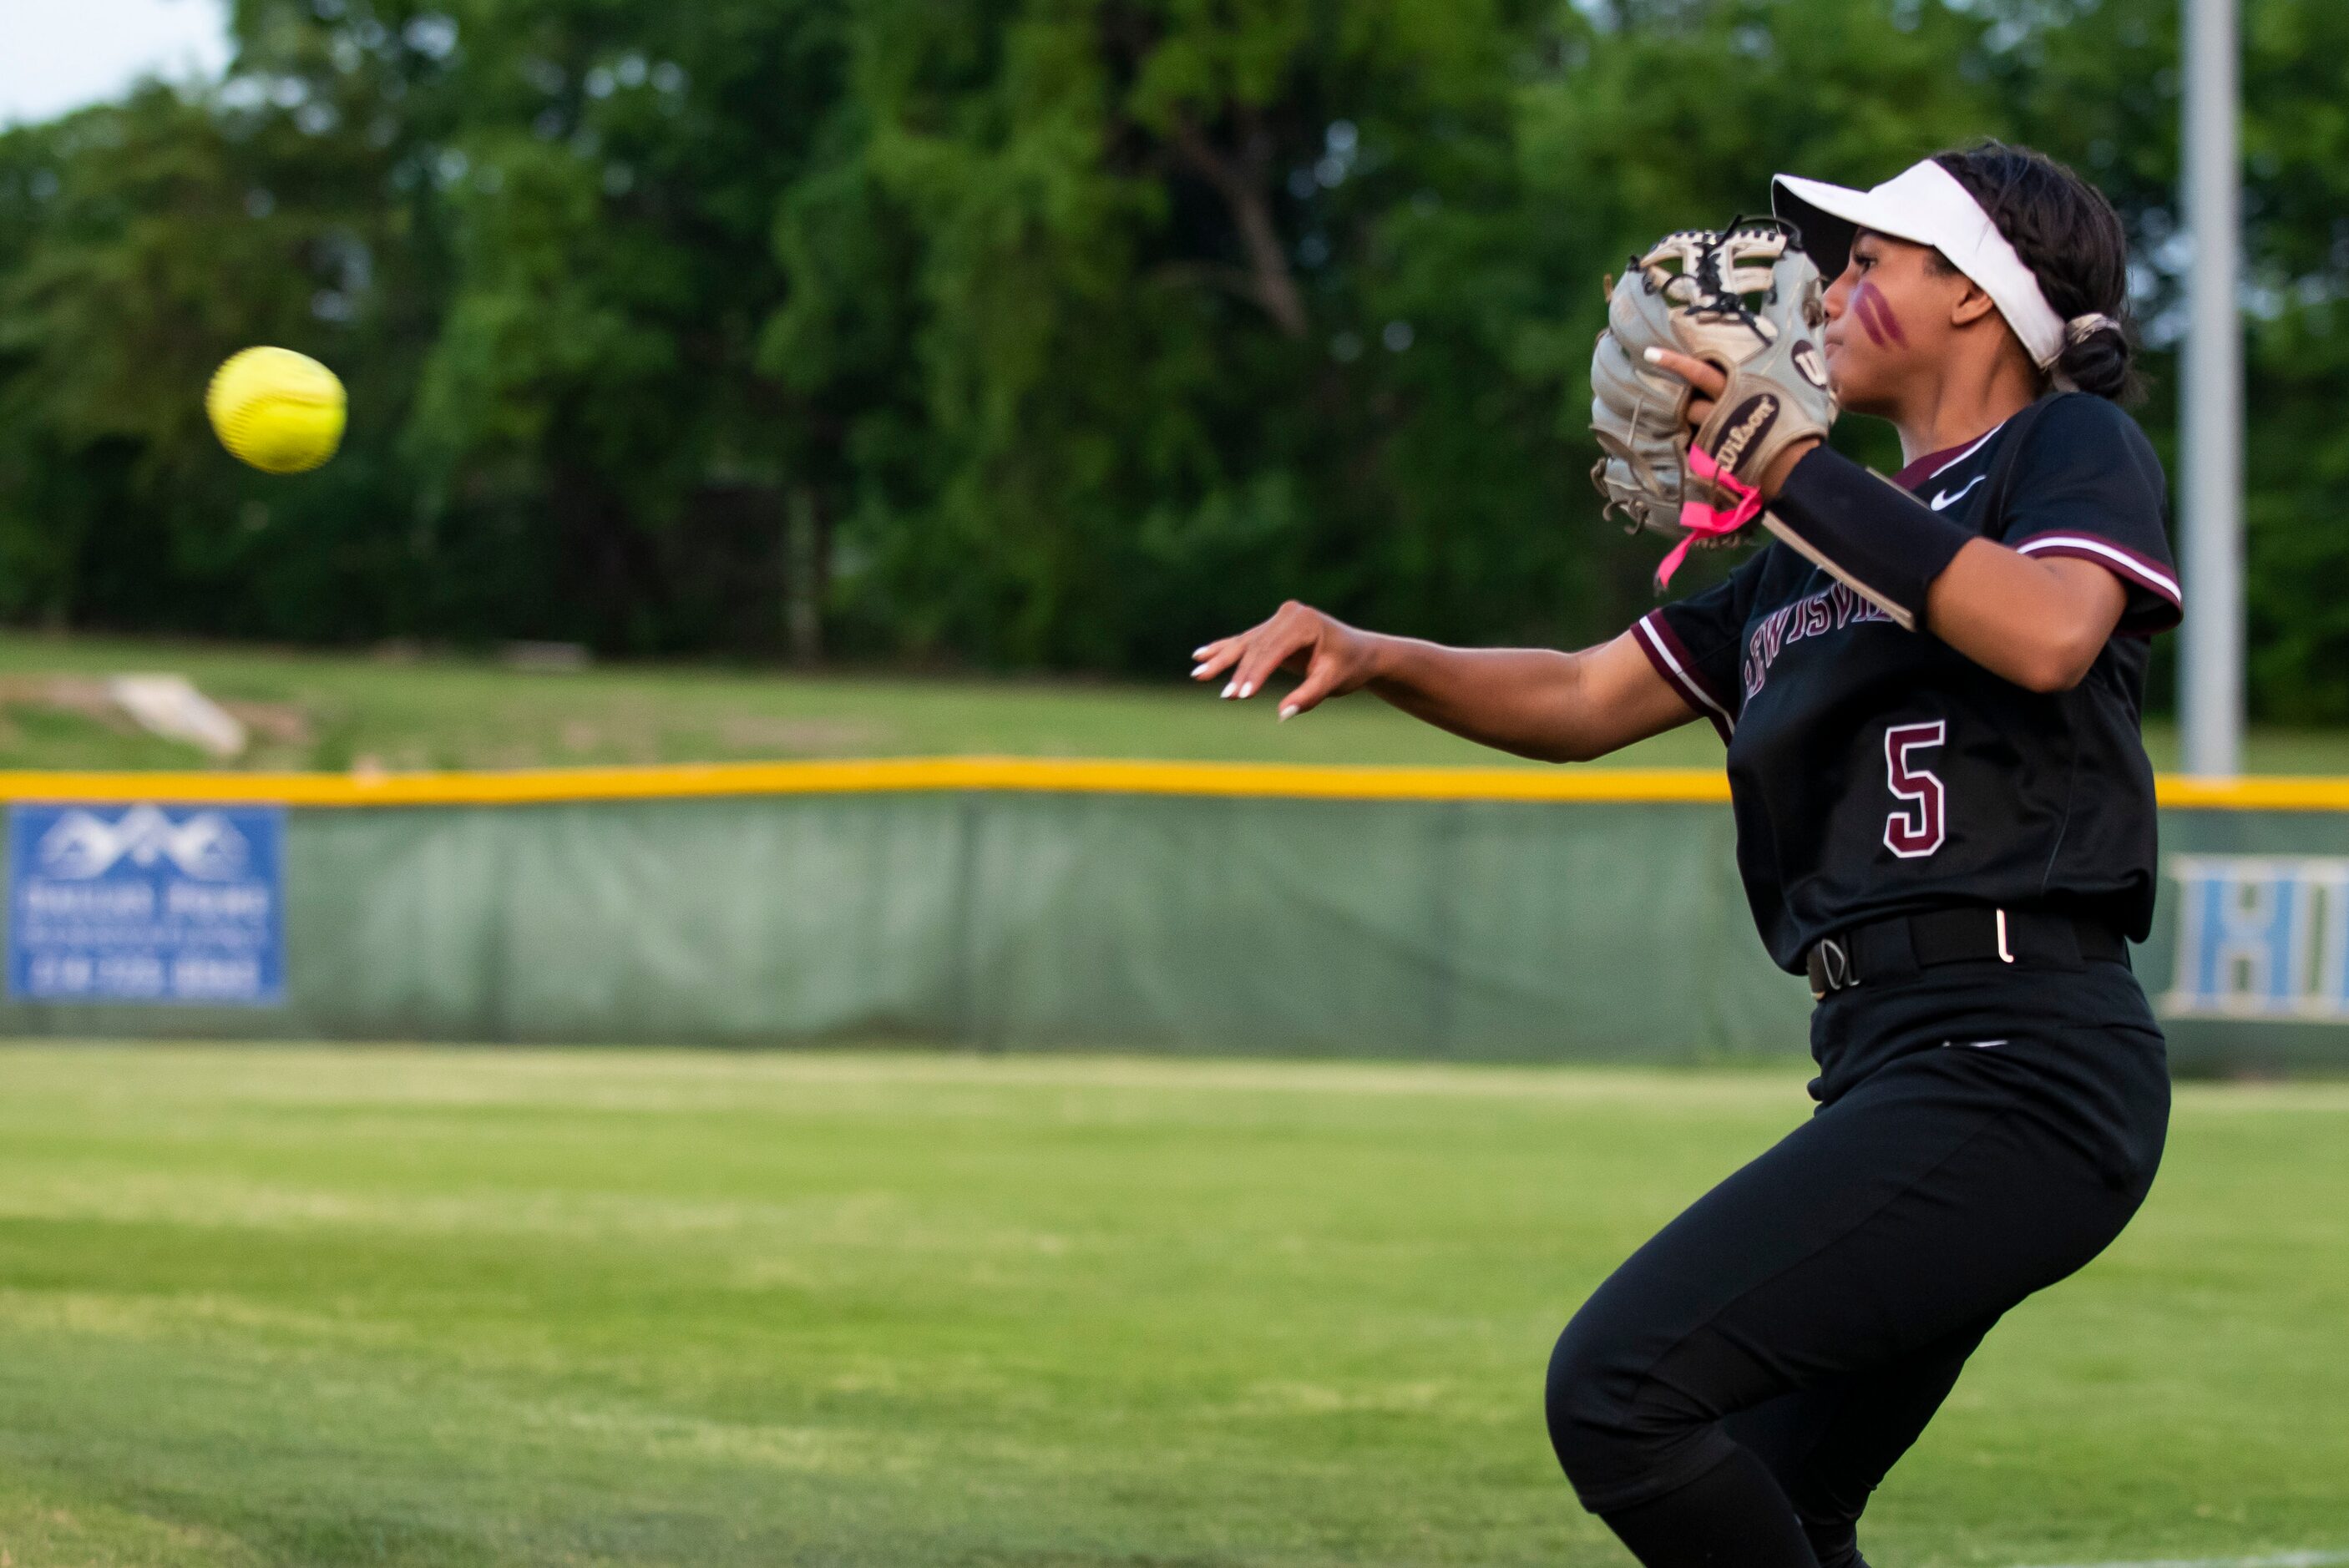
1878 772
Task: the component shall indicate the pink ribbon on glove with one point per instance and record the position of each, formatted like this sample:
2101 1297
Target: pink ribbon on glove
1704 521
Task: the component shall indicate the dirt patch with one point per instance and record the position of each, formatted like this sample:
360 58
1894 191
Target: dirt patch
274 723
71 694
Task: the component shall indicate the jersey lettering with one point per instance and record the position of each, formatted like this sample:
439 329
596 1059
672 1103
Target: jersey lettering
1916 827
1830 610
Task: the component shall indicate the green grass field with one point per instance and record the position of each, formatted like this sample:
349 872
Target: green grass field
310 710
330 711
324 1308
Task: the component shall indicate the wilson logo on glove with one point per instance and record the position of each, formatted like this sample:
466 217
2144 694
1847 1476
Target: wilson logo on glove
1750 424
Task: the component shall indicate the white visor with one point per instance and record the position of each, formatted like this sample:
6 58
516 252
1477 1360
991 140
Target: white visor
1925 205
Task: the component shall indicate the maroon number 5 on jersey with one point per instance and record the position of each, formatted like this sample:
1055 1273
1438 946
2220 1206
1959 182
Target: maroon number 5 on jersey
1916 827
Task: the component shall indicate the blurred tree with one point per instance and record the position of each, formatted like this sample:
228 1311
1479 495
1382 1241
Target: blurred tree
591 437
134 242
1028 332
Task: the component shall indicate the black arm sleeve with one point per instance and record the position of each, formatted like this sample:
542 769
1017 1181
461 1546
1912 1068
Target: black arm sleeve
1866 532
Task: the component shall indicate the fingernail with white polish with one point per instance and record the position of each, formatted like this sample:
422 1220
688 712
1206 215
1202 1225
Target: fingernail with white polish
1230 687
1288 713
1248 691
1197 673
1654 356
1201 653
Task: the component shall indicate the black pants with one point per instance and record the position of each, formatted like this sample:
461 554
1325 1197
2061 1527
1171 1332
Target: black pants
1984 1130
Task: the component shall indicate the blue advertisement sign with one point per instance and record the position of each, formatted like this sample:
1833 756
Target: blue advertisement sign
147 903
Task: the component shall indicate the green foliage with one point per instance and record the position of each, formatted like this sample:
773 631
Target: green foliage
1054 333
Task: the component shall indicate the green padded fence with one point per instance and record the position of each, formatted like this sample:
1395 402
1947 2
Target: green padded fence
1001 919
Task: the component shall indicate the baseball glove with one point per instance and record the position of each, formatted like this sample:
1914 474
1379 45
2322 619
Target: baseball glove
1748 301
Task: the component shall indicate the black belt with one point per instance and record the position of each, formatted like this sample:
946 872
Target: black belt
1909 942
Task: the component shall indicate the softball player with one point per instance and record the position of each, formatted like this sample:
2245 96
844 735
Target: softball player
1929 696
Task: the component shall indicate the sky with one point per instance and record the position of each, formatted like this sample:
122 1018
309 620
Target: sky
56 54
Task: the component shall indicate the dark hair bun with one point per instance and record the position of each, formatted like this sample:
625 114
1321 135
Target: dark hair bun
2073 242
2101 360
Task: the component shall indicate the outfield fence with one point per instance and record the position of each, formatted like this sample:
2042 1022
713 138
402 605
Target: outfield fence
998 904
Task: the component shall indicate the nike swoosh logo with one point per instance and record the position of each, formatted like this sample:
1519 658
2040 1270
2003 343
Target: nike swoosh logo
1946 498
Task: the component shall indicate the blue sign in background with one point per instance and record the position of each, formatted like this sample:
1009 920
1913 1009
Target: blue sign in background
147 903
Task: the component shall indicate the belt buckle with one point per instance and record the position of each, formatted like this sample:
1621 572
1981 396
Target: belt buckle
1830 968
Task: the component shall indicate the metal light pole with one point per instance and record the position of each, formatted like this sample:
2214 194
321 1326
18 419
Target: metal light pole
2210 455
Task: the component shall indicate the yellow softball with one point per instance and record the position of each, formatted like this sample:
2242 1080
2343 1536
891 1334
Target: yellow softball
280 411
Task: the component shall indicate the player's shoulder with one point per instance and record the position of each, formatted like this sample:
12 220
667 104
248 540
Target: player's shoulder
2072 427
2079 445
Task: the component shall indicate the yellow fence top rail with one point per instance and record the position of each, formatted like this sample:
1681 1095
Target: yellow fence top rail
1018 774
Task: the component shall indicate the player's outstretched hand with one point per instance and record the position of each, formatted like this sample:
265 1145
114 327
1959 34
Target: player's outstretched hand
1333 657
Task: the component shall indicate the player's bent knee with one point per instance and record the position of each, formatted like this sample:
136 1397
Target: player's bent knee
1577 1430
1597 1442
1620 1435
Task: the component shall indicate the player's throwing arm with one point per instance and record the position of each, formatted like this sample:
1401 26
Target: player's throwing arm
1534 702
1928 687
